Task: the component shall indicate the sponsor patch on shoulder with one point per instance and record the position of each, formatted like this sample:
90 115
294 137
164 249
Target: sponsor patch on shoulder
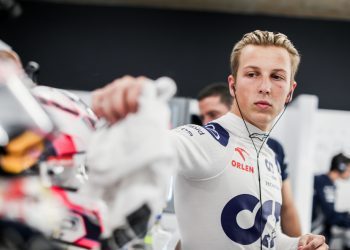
186 130
197 128
218 132
192 129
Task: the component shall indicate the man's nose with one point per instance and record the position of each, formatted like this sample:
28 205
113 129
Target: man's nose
265 86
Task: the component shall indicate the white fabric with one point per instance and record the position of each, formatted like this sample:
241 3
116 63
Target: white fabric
217 189
131 162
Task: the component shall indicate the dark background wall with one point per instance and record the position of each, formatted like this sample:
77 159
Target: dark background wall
84 47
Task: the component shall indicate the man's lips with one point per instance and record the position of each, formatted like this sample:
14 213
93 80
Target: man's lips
263 104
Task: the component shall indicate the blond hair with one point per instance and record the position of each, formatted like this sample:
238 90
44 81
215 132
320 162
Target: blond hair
265 38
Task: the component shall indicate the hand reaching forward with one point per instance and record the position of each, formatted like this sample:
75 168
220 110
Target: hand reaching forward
311 242
119 98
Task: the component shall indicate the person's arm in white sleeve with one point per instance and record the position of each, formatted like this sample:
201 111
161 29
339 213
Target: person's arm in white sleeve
197 151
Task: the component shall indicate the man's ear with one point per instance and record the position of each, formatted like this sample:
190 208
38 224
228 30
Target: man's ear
290 94
289 97
232 84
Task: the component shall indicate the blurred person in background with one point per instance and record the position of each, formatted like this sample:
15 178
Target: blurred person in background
324 215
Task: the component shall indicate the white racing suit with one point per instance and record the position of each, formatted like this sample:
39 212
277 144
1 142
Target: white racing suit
217 193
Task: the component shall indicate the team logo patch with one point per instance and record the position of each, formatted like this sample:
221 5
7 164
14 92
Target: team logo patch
261 137
218 132
241 209
269 166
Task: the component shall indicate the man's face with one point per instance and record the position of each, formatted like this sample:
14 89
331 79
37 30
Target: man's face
262 84
211 108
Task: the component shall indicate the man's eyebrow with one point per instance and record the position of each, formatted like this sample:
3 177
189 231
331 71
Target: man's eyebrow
276 70
251 66
255 67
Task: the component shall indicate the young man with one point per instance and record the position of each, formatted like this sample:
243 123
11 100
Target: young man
228 188
215 101
324 215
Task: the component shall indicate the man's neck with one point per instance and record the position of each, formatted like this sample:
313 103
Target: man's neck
236 111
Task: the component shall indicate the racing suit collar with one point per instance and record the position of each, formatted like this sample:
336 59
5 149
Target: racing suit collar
235 125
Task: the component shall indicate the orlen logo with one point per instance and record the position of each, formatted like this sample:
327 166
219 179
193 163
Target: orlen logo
241 151
242 165
243 208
